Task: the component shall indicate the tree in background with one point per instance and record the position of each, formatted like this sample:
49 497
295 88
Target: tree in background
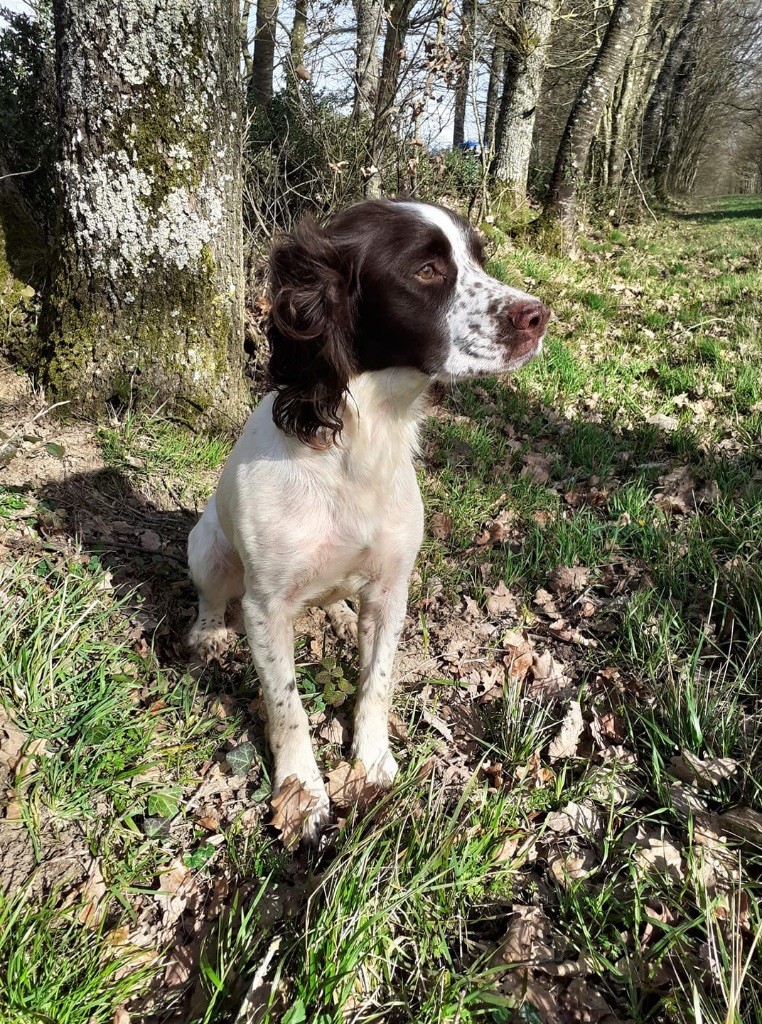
599 82
147 296
524 31
260 88
370 14
466 44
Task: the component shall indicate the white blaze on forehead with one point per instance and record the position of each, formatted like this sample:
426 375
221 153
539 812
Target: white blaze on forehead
452 231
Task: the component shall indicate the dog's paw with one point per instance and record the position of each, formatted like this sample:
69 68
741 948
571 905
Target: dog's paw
343 621
208 639
380 767
301 810
317 819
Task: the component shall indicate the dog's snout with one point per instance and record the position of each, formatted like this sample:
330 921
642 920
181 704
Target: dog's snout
529 316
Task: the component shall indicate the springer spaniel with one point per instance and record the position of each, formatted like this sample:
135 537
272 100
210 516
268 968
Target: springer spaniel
319 499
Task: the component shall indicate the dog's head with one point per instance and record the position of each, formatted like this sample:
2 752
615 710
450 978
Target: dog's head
387 284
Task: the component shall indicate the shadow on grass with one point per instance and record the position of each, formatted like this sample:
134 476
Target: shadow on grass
716 216
141 543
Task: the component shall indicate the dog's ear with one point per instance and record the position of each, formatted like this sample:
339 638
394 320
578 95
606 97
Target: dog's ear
310 333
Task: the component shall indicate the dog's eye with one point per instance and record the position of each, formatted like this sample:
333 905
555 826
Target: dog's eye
426 273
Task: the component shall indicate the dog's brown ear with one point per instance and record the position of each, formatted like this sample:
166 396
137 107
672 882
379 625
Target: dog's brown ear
310 333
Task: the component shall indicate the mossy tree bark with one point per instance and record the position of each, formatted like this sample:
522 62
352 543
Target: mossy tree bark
147 300
528 32
593 97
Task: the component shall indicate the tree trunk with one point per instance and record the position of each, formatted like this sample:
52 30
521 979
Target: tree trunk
595 92
297 71
525 67
671 112
394 48
496 75
260 90
654 118
369 17
147 300
465 57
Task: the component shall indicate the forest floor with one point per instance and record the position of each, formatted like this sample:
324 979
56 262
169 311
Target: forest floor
576 830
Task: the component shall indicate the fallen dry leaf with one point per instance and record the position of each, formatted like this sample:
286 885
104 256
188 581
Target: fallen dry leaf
150 541
347 785
704 772
567 865
502 602
441 525
567 579
579 819
12 740
655 854
548 679
291 805
743 822
519 657
93 893
536 467
565 743
528 939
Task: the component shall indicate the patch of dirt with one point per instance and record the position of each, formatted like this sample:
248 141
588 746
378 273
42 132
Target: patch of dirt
36 448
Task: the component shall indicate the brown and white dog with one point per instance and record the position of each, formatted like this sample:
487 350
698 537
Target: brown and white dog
319 499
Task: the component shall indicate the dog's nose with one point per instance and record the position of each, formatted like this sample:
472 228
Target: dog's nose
529 316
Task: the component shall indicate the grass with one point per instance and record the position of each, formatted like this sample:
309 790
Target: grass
630 452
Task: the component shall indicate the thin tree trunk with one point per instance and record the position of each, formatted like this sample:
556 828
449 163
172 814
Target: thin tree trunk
654 118
260 90
297 72
524 72
595 92
465 58
630 85
673 106
391 62
369 18
496 75
147 301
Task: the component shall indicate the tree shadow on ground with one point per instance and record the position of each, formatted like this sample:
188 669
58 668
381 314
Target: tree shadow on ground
140 542
716 216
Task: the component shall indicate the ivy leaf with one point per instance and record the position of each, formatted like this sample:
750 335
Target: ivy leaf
164 805
240 758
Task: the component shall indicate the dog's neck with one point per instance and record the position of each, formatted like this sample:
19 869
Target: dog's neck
383 411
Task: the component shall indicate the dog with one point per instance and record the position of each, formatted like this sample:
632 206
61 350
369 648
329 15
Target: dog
319 500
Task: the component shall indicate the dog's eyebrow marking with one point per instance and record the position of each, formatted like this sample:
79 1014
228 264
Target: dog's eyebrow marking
453 232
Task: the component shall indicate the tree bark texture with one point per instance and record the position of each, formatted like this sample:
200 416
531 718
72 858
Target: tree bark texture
524 70
496 75
398 23
654 117
296 71
147 300
370 15
629 88
465 58
672 111
595 92
260 90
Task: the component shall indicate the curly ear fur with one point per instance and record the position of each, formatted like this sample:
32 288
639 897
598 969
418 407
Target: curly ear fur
310 333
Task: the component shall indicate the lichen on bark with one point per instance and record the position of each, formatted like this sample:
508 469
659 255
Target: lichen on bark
147 302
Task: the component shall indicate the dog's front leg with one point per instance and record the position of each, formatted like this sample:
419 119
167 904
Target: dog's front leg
271 638
382 616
